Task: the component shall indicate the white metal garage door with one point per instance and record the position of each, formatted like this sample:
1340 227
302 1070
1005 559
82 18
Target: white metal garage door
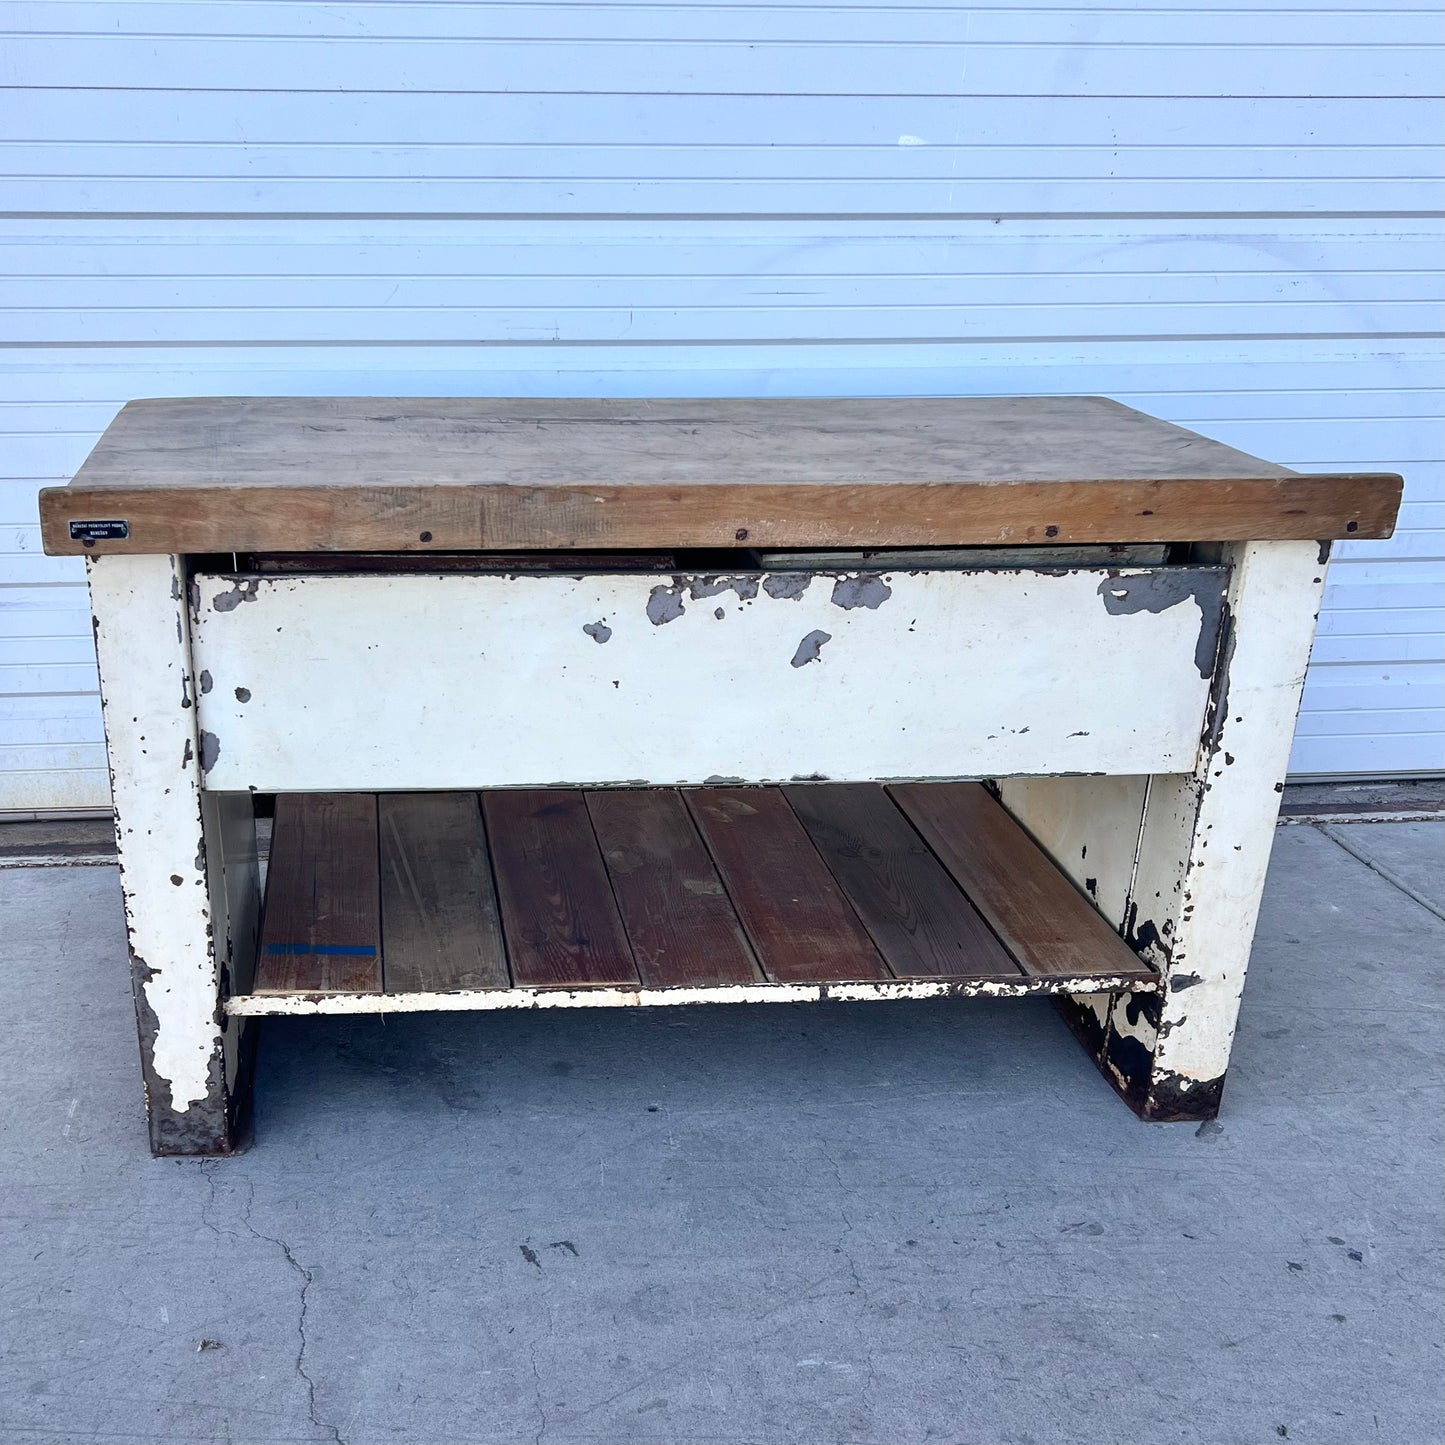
1224 216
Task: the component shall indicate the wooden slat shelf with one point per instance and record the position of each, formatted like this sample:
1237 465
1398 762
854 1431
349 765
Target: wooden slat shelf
573 898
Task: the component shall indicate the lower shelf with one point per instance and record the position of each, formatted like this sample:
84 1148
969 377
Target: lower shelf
561 898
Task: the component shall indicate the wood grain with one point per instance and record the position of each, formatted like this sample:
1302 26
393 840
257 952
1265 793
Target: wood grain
320 930
674 906
802 927
1043 920
920 920
212 474
440 924
385 564
558 913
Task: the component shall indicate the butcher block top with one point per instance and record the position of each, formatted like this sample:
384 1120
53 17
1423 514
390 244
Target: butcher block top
366 474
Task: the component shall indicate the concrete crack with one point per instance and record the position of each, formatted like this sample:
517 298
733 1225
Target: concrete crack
541 1408
306 1278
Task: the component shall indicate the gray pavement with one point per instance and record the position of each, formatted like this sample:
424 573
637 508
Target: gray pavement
873 1222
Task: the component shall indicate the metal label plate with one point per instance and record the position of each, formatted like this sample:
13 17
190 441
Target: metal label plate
99 531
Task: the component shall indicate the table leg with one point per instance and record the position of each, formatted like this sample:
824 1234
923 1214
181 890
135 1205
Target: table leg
1186 894
187 859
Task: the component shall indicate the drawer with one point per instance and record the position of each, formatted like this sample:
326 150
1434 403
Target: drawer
321 682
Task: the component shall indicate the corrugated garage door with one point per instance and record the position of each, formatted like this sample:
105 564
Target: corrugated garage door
1219 214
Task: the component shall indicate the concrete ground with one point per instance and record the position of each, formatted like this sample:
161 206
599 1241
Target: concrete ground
870 1222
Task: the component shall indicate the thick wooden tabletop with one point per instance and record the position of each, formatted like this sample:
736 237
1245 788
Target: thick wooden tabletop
297 474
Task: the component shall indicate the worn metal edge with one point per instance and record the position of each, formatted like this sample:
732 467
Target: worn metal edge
275 1005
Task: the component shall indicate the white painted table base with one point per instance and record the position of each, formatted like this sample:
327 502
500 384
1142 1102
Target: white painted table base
1177 832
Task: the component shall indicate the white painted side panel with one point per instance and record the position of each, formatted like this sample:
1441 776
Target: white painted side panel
1207 839
1224 215
172 917
321 683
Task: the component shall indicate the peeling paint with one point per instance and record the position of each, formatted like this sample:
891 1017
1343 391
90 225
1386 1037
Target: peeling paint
811 647
745 585
1165 587
664 604
210 750
879 675
243 694
243 591
192 1066
867 589
1176 1098
601 996
787 586
205 681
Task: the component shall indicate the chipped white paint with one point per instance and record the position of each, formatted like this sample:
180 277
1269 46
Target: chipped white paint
336 682
1219 822
1194 887
260 1005
177 908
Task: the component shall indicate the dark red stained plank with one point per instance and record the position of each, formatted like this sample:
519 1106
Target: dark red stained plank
919 918
802 927
439 922
321 928
676 911
1044 921
558 914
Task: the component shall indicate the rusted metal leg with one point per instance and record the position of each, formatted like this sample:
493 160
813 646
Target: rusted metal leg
187 860
1188 898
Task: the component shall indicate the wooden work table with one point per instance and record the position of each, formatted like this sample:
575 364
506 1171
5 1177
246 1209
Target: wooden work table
223 474
603 703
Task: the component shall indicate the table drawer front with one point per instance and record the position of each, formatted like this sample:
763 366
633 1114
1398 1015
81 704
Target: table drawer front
322 682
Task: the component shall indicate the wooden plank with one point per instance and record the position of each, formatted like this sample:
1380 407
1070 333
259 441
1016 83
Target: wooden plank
802 927
920 920
1042 919
362 474
950 559
440 926
321 931
558 914
382 564
676 911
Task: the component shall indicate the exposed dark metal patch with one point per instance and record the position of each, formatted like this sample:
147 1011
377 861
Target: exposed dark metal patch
867 589
1167 587
810 647
787 586
664 604
1175 1099
241 592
